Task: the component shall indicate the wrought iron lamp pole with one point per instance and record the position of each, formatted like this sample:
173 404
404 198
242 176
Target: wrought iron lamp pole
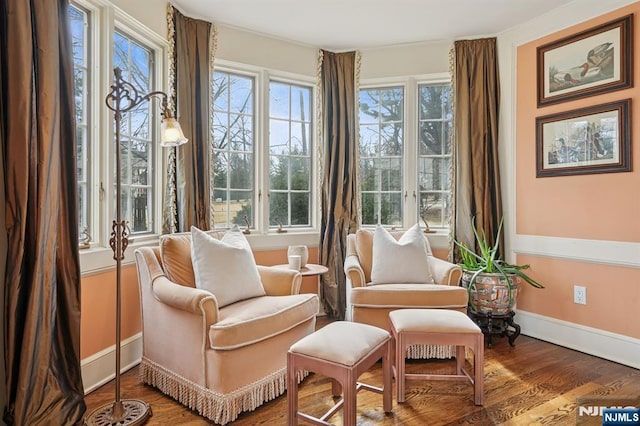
122 98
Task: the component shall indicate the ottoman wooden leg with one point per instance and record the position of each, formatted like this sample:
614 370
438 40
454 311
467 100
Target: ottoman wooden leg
478 369
349 408
400 379
460 358
387 402
292 391
336 387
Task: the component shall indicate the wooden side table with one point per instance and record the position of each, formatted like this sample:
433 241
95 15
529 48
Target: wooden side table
498 324
310 270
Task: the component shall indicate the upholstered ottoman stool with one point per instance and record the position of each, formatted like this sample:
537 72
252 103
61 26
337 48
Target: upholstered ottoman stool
443 327
341 350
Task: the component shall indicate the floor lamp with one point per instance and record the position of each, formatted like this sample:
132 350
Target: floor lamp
122 98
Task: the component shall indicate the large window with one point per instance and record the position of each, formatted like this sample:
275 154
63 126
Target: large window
434 153
381 155
104 37
405 154
233 149
79 20
136 144
289 154
262 139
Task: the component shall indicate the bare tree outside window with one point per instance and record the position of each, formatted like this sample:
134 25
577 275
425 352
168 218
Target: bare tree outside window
233 149
381 155
79 23
434 154
289 155
136 134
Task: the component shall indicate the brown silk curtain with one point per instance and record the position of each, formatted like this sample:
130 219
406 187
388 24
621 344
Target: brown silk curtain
189 164
477 177
42 281
339 179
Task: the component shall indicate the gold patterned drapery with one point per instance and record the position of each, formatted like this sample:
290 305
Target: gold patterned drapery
339 171
188 190
42 279
477 174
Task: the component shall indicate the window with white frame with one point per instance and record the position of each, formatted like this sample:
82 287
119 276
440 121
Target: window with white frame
434 153
79 23
136 135
289 154
233 149
96 27
262 126
405 152
381 155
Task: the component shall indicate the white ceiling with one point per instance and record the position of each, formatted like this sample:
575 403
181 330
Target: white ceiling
360 24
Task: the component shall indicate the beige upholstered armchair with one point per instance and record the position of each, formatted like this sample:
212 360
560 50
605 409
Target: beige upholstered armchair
216 361
371 304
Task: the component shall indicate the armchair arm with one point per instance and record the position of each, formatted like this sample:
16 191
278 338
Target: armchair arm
279 281
444 272
193 300
354 271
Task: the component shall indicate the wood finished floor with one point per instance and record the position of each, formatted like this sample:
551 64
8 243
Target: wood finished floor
533 383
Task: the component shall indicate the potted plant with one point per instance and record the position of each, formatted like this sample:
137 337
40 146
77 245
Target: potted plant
492 283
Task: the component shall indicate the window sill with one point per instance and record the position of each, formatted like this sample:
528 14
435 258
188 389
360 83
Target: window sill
278 241
97 260
439 240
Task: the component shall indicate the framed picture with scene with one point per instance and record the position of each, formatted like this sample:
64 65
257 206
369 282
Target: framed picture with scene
595 139
591 62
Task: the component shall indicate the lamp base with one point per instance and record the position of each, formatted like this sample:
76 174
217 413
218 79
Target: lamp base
126 412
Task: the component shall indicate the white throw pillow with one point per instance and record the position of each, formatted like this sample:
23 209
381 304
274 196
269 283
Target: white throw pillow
400 262
225 267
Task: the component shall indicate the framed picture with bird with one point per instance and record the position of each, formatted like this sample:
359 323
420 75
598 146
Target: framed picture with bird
591 62
594 139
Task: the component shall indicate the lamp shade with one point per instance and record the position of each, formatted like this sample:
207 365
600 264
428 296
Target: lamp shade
171 133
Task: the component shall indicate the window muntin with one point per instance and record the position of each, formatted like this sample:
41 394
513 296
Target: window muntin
434 153
290 136
136 136
233 136
381 155
79 23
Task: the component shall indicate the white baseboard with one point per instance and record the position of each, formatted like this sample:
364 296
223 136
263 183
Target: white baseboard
99 368
614 347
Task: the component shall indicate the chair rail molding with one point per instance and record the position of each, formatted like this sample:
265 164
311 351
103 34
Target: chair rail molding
616 253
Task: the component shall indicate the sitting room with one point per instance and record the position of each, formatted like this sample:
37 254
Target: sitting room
243 212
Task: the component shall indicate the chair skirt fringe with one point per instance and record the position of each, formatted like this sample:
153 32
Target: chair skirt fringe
218 407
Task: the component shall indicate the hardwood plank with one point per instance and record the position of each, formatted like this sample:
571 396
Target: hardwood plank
533 383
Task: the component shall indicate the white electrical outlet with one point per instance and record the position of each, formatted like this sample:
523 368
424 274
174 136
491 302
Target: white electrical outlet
579 295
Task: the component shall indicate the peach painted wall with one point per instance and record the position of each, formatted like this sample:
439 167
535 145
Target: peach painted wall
601 207
98 302
98 307
612 294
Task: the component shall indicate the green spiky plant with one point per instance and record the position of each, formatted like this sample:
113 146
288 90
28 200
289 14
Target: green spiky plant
484 261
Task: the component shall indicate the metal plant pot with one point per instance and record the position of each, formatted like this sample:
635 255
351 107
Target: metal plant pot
491 293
